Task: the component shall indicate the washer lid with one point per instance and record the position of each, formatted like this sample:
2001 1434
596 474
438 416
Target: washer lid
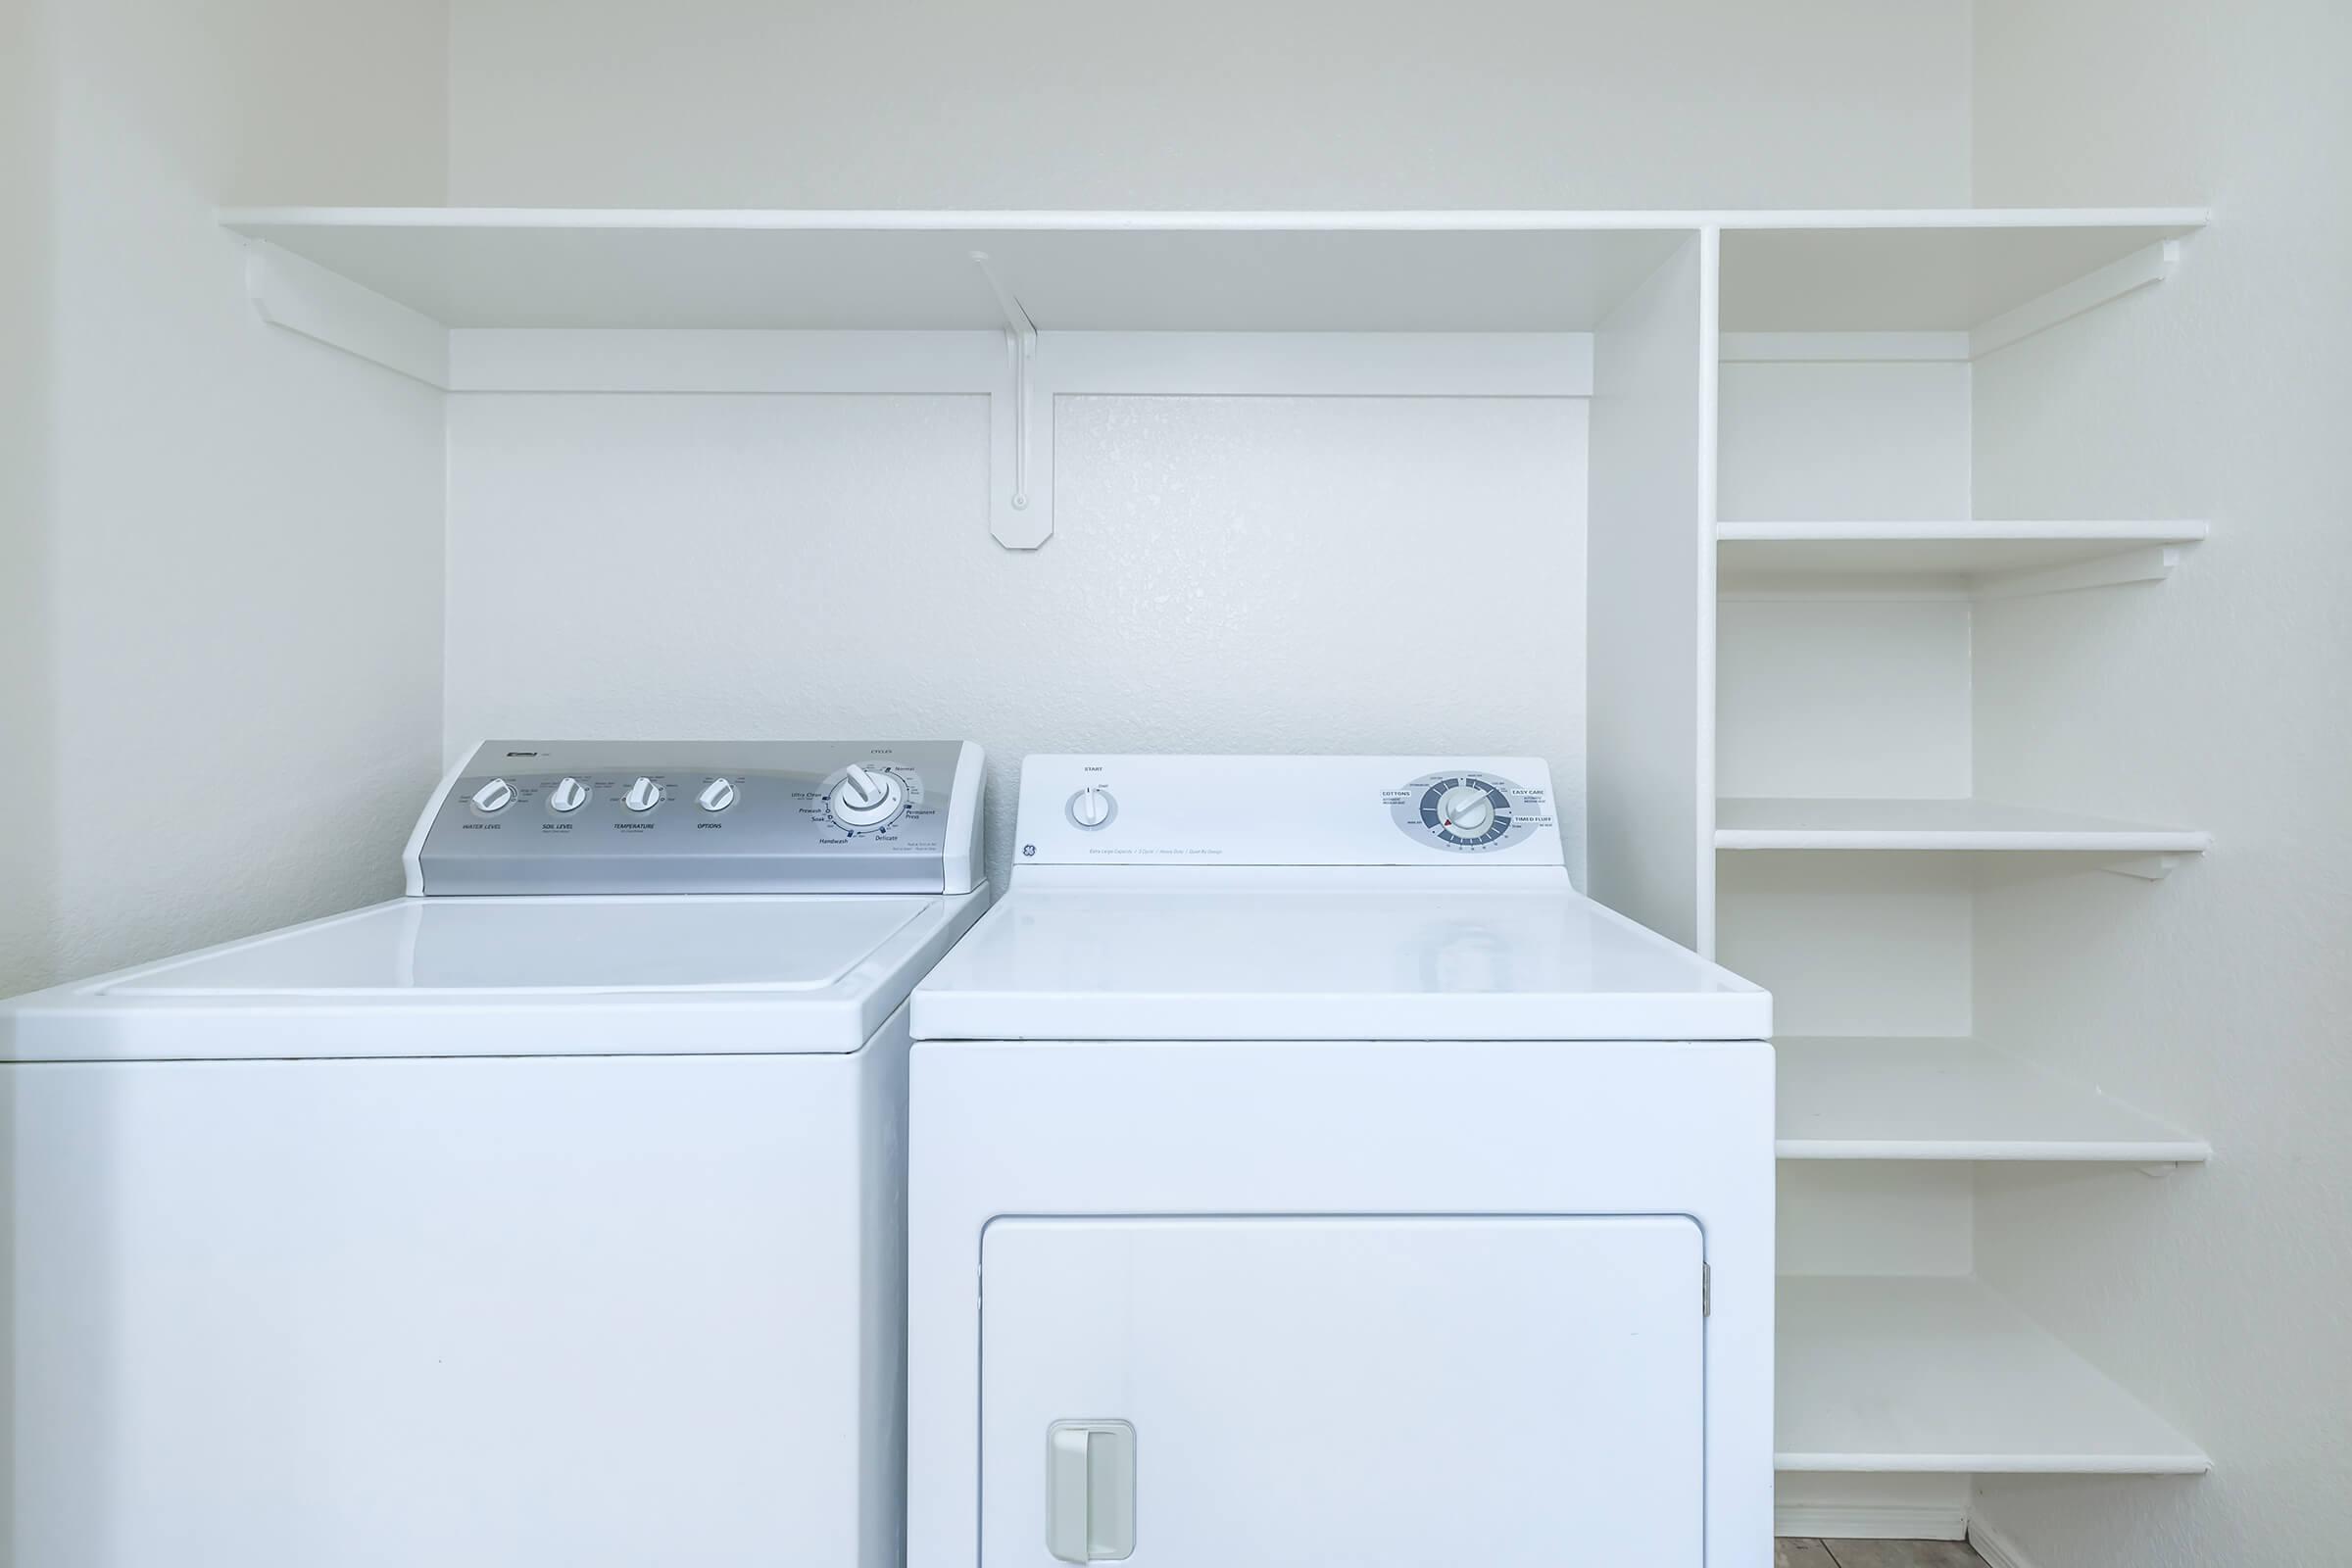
508 946
541 976
1370 962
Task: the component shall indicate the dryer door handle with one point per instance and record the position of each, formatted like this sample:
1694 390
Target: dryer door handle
1090 1490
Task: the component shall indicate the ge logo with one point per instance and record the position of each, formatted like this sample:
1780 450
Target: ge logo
1028 848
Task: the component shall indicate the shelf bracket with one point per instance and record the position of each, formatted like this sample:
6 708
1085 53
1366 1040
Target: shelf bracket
2160 1167
2146 868
2088 292
1020 444
2146 564
297 294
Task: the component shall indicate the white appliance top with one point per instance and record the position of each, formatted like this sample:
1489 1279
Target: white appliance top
542 976
1311 899
556 947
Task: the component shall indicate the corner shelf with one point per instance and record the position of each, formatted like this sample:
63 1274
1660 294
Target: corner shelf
1941 1375
1938 824
1985 559
1847 1098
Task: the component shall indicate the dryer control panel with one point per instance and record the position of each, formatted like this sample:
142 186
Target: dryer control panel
1287 811
702 816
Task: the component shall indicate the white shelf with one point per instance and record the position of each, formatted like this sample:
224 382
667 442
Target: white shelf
1953 1099
1401 271
1932 824
1081 272
1918 272
1984 558
1942 1375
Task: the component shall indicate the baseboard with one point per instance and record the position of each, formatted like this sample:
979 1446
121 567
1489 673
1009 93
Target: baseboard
1890 1521
1995 1549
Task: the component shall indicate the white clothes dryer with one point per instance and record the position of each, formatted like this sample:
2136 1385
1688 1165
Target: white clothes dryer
1304 1172
551 1214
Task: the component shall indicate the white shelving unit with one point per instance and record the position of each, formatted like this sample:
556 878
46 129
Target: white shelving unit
1847 1098
1921 1374
1850 580
1933 824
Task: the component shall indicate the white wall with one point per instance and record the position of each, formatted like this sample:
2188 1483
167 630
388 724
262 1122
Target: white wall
230 700
28 858
1218 103
2223 998
1207 604
1375 575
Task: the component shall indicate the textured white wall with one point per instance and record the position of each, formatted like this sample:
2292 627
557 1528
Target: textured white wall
1375 575
2223 998
1217 103
231 697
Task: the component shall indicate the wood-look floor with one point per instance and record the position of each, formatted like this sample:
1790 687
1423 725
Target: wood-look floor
1801 1554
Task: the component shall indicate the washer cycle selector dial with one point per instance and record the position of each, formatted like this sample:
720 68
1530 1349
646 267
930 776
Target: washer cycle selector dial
494 795
569 795
866 797
717 795
643 795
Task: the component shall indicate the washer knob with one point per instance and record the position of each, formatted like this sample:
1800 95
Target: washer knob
1091 806
867 799
569 795
494 795
643 795
1466 810
717 795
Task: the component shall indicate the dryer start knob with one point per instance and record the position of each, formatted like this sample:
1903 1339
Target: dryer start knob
1091 806
1466 810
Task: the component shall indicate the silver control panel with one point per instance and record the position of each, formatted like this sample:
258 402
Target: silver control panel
703 816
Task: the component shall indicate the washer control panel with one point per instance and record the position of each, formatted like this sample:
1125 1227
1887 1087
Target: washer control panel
703 816
1286 811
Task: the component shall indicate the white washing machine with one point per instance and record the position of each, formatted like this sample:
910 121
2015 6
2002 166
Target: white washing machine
1304 1173
553 1215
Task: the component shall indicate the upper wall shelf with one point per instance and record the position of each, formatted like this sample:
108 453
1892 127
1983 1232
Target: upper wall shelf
413 288
1435 272
1068 272
1985 559
1995 278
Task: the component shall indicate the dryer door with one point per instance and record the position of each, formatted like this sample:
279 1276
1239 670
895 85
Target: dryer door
1384 1393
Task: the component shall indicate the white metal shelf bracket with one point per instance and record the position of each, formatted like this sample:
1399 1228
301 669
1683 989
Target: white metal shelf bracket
2146 868
2064 303
2146 564
1021 515
297 294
